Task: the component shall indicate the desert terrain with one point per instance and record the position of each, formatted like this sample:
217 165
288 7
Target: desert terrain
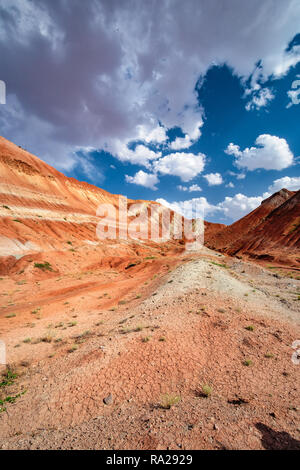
131 344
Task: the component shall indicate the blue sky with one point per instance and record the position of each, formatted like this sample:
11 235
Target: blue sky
226 120
181 101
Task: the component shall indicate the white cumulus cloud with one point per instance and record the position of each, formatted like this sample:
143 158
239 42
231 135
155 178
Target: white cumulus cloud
214 179
143 179
181 143
184 165
271 153
287 182
141 155
233 208
194 133
239 205
191 189
192 208
156 134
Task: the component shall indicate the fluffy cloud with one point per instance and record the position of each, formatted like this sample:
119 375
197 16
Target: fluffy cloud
239 205
214 179
194 188
181 143
184 165
294 93
191 189
156 134
143 179
233 208
260 99
230 185
270 153
141 155
192 208
287 182
131 67
185 142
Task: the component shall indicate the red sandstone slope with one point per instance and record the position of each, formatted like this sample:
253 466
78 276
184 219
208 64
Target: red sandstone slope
40 208
27 181
212 229
271 231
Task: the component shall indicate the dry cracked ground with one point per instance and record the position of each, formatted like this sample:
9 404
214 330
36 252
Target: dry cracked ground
191 352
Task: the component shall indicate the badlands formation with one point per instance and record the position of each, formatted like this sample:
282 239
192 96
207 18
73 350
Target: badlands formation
136 344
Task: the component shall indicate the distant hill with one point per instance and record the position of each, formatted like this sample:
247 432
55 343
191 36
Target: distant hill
271 231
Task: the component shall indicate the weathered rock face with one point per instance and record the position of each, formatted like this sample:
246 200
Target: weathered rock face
40 208
271 231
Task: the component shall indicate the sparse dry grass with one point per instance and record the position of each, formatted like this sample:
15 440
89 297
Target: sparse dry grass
168 400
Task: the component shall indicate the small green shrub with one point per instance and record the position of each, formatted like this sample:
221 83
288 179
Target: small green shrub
46 266
206 391
269 355
36 310
247 362
8 378
10 399
168 400
250 328
218 264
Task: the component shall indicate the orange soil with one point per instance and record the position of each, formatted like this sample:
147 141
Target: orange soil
87 340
